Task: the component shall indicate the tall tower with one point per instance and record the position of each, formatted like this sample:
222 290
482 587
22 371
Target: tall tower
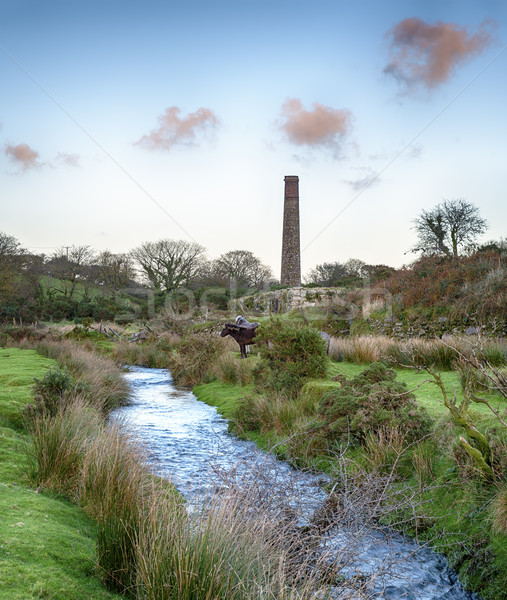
291 253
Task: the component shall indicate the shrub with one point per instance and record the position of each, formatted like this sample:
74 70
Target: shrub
100 380
51 392
290 355
371 401
193 361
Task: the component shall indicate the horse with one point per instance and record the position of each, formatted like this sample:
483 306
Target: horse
242 331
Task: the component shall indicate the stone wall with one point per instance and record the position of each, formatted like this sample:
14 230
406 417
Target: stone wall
281 301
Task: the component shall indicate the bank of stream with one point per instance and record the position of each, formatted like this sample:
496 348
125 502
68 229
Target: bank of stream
188 443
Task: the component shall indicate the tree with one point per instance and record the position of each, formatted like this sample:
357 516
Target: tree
114 271
449 228
326 274
242 266
355 267
169 264
10 259
70 266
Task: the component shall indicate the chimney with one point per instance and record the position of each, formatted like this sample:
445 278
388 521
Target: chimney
291 253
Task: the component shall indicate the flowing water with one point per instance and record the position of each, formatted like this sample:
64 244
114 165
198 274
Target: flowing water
187 442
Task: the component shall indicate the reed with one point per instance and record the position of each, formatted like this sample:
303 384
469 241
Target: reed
58 445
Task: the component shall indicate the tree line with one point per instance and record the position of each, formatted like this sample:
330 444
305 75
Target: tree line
77 282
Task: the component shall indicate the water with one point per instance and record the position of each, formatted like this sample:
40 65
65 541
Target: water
187 442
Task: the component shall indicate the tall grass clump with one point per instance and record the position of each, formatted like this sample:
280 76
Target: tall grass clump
231 369
58 444
442 354
152 352
101 381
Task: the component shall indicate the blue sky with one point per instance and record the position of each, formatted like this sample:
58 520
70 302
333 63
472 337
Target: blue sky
123 122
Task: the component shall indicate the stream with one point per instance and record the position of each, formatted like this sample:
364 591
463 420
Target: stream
188 443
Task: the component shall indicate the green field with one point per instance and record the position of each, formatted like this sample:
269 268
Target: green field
47 545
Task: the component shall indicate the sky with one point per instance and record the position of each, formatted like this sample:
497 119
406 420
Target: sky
123 122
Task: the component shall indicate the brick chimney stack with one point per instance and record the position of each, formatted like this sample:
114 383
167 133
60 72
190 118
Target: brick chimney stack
291 253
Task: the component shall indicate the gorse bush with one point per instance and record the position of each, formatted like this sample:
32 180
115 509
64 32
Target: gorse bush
370 402
290 355
52 391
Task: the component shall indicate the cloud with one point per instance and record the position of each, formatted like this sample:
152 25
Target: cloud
321 127
23 155
369 178
427 55
179 131
69 160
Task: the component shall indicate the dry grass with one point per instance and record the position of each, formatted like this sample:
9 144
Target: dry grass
383 448
420 351
101 380
499 512
58 446
229 368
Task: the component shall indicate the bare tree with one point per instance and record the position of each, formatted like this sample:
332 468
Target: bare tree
69 267
449 228
115 271
169 264
244 267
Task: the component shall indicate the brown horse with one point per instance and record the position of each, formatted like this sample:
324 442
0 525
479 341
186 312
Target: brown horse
242 331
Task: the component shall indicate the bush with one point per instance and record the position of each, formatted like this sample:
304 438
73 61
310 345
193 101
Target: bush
290 355
193 361
51 392
370 402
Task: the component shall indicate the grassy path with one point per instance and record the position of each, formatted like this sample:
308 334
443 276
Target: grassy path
47 545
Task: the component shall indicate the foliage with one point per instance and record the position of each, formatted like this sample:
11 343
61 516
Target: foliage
169 264
472 285
369 402
290 355
449 228
242 268
192 362
52 391
47 548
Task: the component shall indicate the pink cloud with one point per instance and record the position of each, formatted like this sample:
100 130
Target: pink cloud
175 130
23 155
427 54
322 126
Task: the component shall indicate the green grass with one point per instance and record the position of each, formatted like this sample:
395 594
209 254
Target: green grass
458 510
222 395
47 545
428 395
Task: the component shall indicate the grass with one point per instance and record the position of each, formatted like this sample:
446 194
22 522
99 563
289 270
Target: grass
134 531
461 516
47 545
